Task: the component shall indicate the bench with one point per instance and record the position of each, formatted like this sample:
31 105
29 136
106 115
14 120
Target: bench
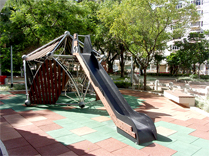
180 97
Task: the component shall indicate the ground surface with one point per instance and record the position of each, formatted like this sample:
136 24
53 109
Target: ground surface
54 130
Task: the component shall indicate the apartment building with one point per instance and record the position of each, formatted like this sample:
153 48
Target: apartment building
200 26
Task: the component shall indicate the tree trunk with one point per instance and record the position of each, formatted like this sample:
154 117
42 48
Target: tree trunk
145 79
110 67
199 71
122 63
194 69
157 68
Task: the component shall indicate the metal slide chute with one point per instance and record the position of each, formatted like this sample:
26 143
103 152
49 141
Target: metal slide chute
138 127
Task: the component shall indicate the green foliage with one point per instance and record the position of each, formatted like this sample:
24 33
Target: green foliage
121 84
29 24
204 77
193 50
141 25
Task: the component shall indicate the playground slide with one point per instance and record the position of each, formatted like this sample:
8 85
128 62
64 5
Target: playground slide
136 126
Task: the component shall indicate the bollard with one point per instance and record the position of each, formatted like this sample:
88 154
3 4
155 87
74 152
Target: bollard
207 92
156 84
171 85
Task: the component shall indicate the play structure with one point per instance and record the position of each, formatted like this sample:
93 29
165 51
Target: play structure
71 68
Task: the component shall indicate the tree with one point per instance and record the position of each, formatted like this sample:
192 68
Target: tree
141 25
157 59
173 62
32 23
193 50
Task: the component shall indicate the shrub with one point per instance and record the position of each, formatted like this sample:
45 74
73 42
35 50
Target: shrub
121 84
194 76
204 76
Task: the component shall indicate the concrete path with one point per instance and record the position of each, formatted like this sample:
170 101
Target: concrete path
55 130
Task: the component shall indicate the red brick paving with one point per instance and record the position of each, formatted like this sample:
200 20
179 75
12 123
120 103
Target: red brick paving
156 150
99 152
83 147
128 150
43 122
181 122
32 135
50 127
7 112
111 144
200 127
27 150
53 149
15 143
200 134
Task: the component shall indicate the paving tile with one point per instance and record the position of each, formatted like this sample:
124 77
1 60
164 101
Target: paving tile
201 143
94 124
201 152
72 125
5 127
42 122
184 148
99 152
165 131
156 150
7 112
198 121
15 143
63 121
166 119
111 144
40 141
16 120
29 128
33 135
105 129
183 137
59 132
23 151
198 126
95 137
50 114
180 122
200 134
52 149
175 127
116 135
83 147
13 134
101 118
82 131
50 127
128 150
36 118
2 119
69 139
163 140
70 153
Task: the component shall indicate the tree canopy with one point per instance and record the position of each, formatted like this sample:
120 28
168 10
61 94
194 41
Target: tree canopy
142 25
29 24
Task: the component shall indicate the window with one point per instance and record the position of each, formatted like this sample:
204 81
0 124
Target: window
173 47
179 6
197 2
197 24
200 12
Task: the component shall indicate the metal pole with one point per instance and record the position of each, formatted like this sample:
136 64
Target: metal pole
11 68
